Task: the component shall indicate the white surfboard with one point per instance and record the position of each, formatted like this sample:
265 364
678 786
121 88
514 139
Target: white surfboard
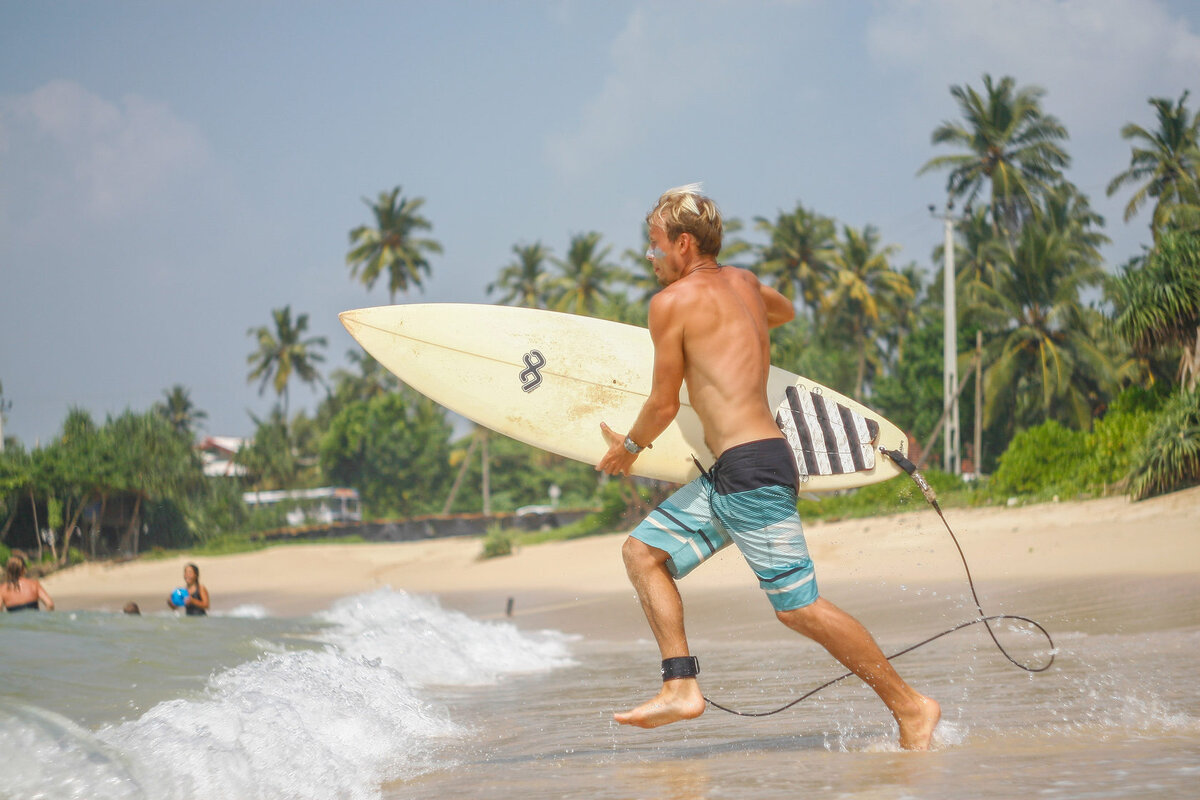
549 379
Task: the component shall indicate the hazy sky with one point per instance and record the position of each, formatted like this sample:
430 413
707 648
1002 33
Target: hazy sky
170 172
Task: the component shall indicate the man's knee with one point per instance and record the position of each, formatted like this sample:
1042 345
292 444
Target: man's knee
639 556
806 619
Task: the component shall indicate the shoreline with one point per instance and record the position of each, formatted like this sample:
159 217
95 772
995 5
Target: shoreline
1063 541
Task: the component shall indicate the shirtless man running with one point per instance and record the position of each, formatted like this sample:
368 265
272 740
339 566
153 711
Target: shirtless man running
709 327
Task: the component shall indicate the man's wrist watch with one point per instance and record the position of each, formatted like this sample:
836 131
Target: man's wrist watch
633 446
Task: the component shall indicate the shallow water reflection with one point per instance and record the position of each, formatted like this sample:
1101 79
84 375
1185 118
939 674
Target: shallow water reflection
1117 715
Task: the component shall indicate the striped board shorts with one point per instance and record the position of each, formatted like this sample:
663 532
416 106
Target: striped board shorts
747 498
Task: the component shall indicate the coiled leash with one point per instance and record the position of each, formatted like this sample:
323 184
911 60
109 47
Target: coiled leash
692 666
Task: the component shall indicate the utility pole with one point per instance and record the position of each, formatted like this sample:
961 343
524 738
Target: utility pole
978 403
951 436
486 488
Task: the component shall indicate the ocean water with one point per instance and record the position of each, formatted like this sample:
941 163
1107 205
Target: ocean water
391 695
96 705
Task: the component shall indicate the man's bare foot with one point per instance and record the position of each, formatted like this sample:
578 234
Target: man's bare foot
916 727
678 700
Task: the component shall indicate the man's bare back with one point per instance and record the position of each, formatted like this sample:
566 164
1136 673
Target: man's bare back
726 352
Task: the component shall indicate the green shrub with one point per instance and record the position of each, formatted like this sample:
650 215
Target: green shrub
1044 459
1169 458
1111 447
497 541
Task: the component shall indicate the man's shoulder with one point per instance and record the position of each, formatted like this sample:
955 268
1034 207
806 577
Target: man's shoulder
740 273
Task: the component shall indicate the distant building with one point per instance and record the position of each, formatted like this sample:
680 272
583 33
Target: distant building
216 454
322 506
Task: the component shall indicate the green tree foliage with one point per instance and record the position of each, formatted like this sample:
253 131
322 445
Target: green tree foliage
1169 458
79 467
735 250
152 463
796 258
497 542
806 348
864 293
521 475
1041 459
179 410
137 457
524 282
16 474
639 278
284 353
395 449
588 278
1116 438
370 380
1164 166
269 457
1007 142
1156 303
1041 362
393 245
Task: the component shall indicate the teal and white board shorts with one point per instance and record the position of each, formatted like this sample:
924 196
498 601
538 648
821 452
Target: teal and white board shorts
748 498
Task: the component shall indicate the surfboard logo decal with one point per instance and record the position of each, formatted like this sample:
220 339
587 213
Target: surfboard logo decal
531 377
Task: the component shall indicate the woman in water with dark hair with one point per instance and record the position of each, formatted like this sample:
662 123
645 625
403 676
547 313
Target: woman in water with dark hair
20 593
197 596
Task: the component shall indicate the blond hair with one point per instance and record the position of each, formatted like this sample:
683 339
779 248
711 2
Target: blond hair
685 210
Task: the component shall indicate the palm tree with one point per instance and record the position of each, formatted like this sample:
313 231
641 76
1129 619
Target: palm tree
283 353
1067 210
639 276
797 255
525 280
1157 305
863 285
1166 162
4 406
372 379
587 276
1042 363
391 245
179 410
973 232
1009 143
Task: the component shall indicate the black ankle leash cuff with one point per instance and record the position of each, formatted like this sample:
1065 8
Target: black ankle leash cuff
675 668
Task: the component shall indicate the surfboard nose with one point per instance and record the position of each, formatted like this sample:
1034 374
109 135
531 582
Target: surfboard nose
349 319
356 320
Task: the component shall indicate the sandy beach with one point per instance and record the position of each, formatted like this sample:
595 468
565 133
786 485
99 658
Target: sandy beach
562 584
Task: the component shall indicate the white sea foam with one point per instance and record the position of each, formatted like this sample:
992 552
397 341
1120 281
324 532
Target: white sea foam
339 721
52 757
245 611
301 724
432 646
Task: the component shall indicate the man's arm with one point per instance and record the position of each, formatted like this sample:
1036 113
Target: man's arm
779 309
660 408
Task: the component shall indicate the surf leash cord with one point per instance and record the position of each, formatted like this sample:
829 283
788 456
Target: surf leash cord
983 618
